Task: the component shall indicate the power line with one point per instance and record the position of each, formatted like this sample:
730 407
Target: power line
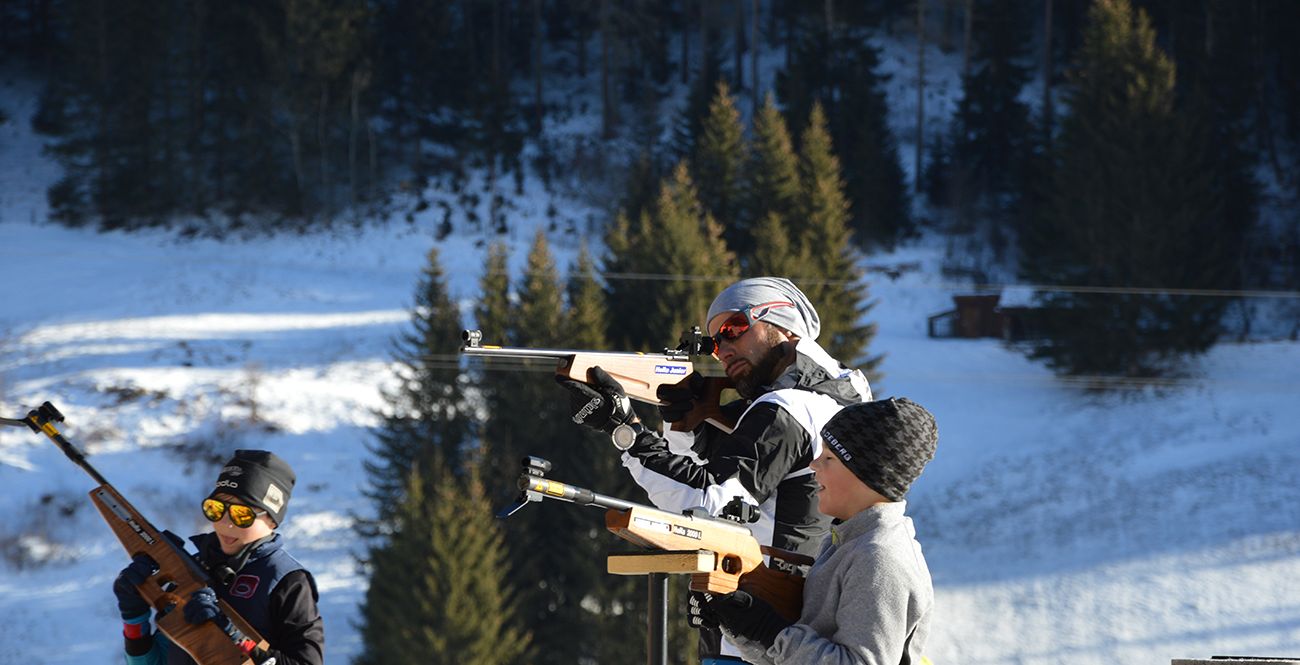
961 286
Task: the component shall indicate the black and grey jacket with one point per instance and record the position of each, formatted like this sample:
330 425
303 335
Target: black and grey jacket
765 460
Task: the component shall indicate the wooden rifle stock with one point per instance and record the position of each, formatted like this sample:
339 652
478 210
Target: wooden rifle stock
178 576
736 560
640 374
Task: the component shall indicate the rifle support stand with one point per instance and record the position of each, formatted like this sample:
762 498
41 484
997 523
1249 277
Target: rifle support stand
657 619
656 566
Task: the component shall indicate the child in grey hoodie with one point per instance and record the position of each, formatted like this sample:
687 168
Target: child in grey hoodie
868 598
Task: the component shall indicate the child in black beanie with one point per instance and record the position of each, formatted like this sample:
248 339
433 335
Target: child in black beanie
251 570
868 597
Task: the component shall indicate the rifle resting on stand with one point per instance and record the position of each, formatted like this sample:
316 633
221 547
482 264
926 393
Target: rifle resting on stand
720 554
640 374
178 575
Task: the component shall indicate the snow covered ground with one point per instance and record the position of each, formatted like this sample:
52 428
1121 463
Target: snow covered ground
1060 526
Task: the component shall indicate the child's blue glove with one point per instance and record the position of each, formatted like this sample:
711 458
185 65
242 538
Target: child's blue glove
202 606
748 617
129 601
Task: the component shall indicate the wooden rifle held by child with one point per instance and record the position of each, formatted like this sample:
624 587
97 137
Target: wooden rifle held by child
720 554
178 576
640 374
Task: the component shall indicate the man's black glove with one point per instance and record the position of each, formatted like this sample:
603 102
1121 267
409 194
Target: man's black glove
698 613
600 403
748 617
129 601
681 398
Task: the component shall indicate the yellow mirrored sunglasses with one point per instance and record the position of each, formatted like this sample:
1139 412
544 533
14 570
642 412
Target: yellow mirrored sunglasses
243 516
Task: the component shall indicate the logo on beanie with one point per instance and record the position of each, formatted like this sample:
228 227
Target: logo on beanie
839 447
228 483
233 470
274 498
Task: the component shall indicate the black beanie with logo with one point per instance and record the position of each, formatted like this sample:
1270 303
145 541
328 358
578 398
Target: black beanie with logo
885 444
259 478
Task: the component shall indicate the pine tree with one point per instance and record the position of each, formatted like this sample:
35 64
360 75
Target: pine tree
495 317
989 145
427 414
541 301
773 183
774 254
1222 53
680 240
718 163
615 605
586 319
437 593
841 72
689 124
531 413
833 281
1132 204
624 296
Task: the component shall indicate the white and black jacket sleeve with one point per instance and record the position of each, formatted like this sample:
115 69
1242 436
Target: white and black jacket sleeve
764 461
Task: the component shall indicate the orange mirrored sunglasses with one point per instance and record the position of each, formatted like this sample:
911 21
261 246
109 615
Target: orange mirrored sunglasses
243 516
739 323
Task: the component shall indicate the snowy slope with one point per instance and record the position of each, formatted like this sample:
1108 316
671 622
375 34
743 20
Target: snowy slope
1061 527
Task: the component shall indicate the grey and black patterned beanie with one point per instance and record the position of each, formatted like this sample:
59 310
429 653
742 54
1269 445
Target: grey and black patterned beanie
885 444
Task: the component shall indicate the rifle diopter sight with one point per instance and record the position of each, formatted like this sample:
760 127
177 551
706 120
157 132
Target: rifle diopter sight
695 343
534 467
36 418
740 511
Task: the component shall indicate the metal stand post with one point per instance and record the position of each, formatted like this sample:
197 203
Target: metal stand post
657 616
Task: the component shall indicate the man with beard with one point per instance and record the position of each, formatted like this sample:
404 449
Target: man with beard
765 331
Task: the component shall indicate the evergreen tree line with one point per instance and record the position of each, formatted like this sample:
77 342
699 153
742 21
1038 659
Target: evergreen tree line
1145 179
294 111
449 449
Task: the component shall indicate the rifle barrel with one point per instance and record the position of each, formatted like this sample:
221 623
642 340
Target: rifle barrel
516 352
572 493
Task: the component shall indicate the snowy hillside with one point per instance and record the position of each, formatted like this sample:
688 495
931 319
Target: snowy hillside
1061 527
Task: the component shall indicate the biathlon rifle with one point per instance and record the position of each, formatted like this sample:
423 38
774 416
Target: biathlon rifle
719 553
640 374
178 574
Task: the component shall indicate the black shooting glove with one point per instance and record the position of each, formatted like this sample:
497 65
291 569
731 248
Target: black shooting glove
681 398
600 403
129 601
698 612
748 617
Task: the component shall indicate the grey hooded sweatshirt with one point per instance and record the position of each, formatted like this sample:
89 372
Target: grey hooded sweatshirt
867 600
